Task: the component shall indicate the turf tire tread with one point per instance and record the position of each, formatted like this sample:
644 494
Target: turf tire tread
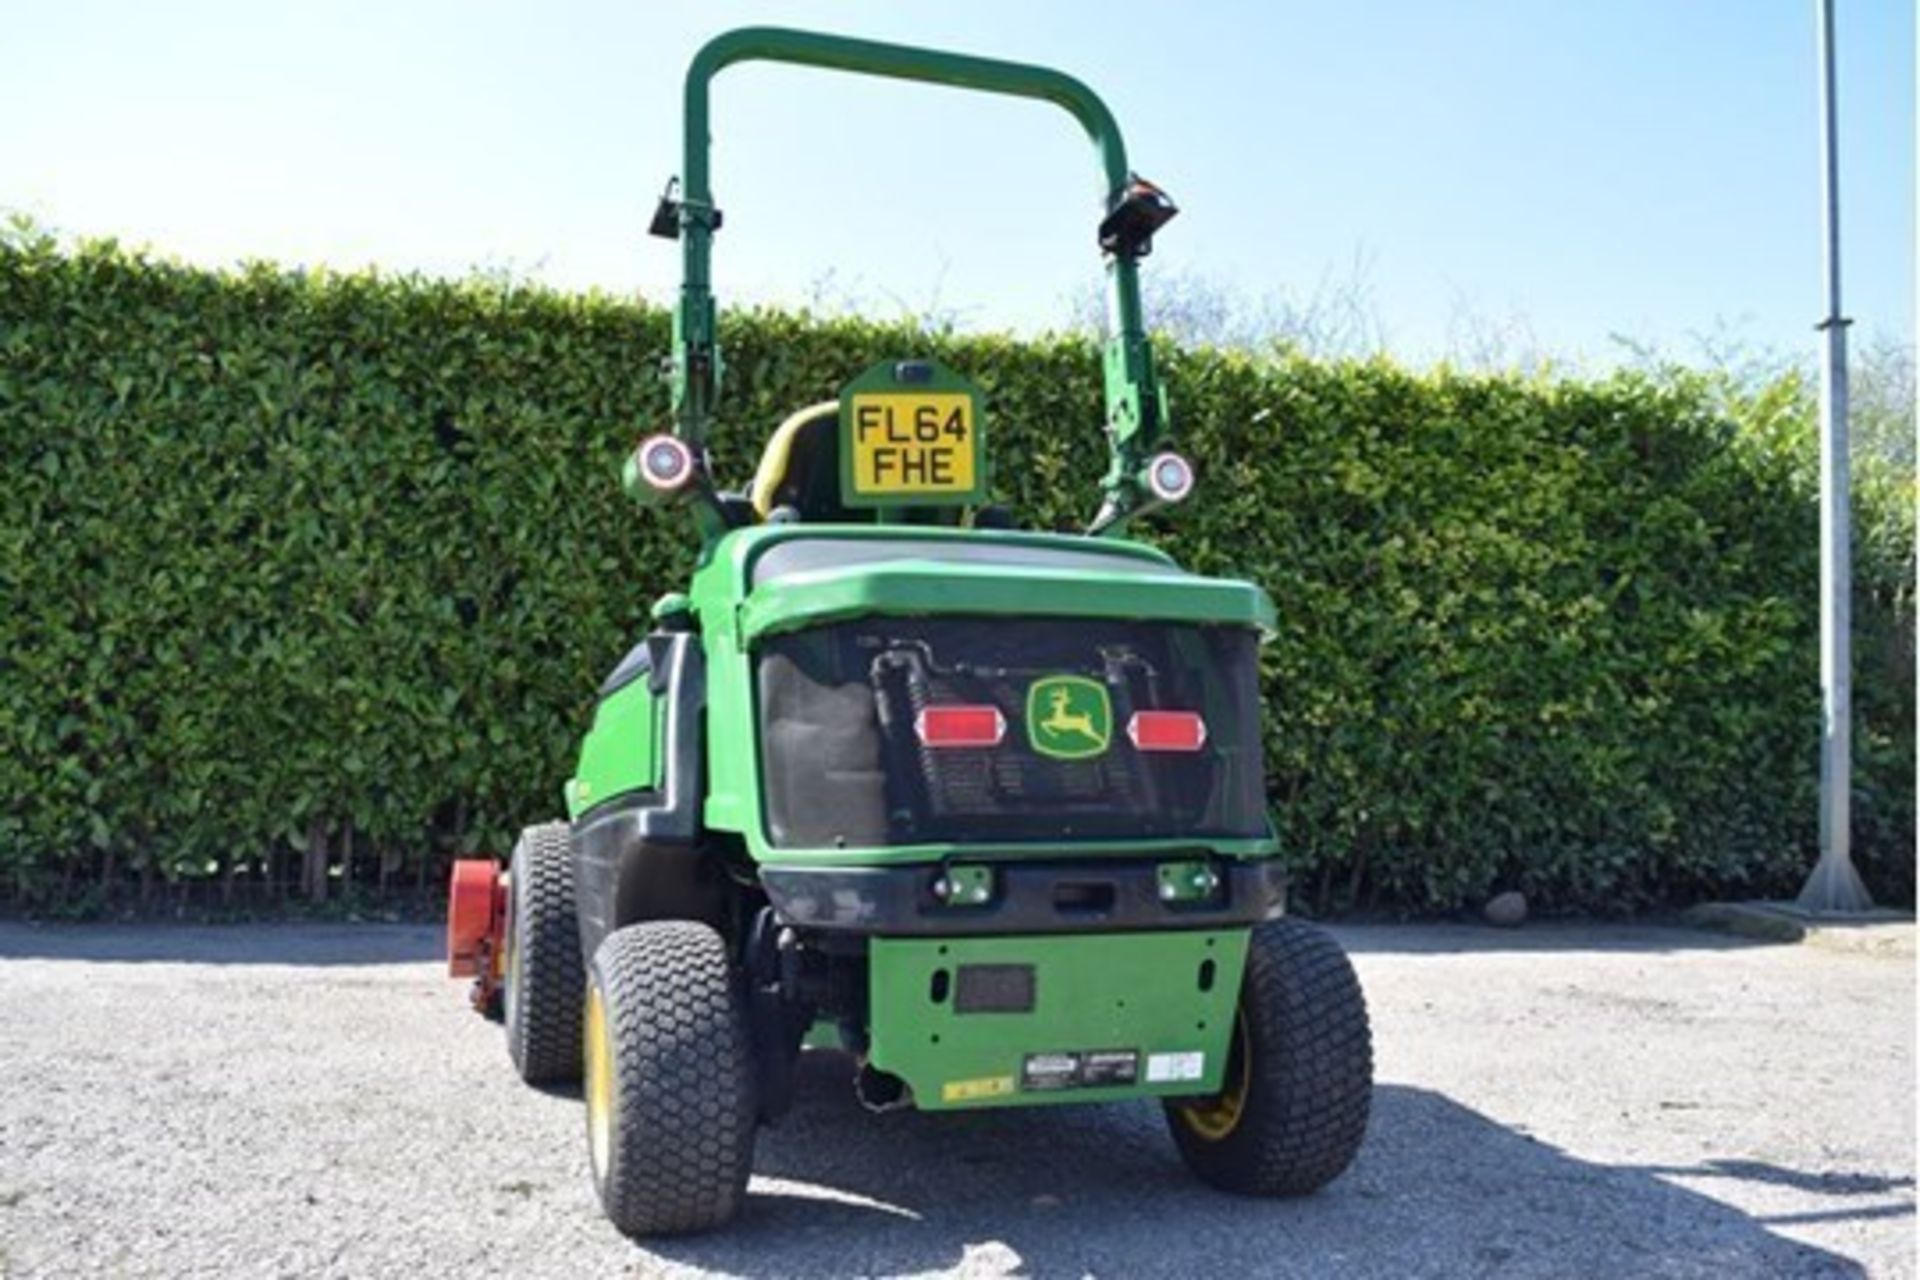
1312 1087
683 1079
544 1016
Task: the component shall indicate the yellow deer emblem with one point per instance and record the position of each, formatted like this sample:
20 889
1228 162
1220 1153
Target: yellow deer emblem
1068 717
1061 720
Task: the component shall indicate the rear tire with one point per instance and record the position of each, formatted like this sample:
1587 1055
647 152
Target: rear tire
669 1079
545 986
1293 1108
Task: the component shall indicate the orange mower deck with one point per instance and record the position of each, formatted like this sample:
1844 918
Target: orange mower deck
477 928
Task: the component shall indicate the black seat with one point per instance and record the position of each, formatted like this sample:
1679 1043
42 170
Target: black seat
799 473
800 468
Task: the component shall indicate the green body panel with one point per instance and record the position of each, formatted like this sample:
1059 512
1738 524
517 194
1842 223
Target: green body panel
910 587
621 752
736 554
733 615
1092 993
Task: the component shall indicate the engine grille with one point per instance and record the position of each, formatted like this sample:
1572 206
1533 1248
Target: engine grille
842 763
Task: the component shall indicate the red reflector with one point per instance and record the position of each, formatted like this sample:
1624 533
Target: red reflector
960 726
1167 731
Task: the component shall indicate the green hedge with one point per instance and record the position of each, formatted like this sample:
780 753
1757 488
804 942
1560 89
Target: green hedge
321 571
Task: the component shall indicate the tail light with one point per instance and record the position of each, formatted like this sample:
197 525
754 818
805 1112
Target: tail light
961 726
1167 731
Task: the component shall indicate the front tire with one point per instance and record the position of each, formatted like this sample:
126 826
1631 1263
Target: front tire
669 1079
1293 1108
545 985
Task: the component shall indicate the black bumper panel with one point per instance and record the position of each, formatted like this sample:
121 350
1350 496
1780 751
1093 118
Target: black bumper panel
1068 896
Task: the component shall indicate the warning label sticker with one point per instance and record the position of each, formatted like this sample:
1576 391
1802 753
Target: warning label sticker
971 1090
1093 1069
1173 1068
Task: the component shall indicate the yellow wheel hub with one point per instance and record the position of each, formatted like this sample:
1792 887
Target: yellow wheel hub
1219 1116
598 1057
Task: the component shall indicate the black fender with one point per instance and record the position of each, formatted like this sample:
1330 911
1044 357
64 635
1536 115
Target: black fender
640 855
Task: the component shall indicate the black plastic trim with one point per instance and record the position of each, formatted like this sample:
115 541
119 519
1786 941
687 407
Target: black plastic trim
899 901
637 663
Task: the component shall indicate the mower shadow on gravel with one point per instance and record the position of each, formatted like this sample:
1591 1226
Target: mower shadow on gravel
1437 1189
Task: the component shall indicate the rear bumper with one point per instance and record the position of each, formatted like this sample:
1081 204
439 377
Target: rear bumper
1077 895
1026 1021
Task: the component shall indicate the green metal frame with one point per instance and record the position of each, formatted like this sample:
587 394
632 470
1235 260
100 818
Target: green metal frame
1135 403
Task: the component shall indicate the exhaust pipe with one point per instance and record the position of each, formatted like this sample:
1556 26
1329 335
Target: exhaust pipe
880 1091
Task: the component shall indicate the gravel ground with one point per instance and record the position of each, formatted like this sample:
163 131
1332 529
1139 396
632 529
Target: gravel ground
1559 1101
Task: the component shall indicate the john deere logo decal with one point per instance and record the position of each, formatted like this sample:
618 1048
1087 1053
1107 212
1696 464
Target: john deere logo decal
1068 717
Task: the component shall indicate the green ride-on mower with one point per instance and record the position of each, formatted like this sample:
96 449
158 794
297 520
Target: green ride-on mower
980 806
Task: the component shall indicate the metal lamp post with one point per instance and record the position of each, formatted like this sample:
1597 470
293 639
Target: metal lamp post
1834 885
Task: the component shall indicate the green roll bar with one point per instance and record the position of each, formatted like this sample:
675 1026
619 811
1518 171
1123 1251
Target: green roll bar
1135 403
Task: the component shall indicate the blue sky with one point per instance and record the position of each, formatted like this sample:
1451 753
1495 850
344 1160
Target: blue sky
1562 170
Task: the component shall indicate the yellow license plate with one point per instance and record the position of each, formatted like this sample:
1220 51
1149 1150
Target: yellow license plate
912 444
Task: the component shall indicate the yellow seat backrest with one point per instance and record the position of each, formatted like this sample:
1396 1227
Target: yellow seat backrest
788 457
